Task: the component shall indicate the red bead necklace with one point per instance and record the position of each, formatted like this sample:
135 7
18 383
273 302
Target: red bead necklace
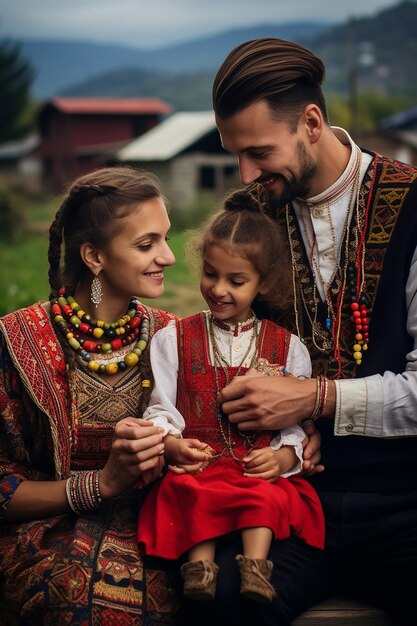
356 284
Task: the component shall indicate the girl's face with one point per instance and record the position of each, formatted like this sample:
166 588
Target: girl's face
133 262
229 283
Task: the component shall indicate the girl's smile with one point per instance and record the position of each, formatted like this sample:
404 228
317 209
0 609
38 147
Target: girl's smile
229 283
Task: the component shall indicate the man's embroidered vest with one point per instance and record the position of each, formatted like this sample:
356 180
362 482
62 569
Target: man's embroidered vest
356 463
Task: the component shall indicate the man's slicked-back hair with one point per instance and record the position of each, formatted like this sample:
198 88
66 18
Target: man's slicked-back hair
285 74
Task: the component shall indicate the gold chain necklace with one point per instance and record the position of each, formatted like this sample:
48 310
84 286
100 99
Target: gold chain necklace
219 361
320 336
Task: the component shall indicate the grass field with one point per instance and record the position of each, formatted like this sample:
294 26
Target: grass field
24 268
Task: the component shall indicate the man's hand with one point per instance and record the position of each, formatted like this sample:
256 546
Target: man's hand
259 402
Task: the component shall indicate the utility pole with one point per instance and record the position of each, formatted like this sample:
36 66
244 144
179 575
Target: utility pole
353 79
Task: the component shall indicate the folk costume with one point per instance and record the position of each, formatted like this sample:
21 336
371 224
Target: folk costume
192 359
69 569
365 273
354 260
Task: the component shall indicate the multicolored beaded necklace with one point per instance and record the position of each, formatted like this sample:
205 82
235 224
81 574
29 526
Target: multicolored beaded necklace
131 329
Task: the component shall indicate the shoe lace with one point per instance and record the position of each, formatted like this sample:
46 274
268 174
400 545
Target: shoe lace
255 569
208 574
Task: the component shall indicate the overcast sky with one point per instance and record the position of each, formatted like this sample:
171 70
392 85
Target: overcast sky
152 23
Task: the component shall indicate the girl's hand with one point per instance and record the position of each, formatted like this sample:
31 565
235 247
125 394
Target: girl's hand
268 463
186 456
137 453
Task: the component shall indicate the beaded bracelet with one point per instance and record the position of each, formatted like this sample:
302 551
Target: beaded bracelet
321 396
83 491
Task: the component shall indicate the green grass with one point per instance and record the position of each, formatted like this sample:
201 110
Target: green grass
23 272
42 210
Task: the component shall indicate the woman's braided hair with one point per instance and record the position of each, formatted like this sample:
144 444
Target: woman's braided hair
91 211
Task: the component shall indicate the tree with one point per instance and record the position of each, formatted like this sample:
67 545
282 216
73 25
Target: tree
15 81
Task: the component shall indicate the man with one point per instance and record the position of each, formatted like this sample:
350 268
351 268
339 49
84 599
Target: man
351 222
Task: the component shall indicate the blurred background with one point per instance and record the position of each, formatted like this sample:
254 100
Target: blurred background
87 83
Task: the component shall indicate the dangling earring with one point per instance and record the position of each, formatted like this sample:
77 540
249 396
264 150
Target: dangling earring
96 291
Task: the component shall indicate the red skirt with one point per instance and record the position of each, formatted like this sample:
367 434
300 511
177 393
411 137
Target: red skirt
182 511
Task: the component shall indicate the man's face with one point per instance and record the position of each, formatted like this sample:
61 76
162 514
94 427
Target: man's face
269 153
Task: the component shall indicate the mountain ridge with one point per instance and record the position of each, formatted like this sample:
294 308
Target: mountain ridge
60 64
384 47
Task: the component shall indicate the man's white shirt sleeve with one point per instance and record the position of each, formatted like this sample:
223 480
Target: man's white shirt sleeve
383 405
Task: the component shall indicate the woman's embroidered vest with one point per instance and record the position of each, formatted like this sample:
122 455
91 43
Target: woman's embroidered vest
37 355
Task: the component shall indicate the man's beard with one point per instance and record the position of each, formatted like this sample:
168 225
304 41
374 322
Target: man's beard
297 187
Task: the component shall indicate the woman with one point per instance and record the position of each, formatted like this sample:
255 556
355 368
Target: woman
75 378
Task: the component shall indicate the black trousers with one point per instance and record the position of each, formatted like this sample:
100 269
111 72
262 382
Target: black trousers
371 554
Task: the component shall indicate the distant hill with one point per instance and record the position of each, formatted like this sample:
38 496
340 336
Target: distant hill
385 50
185 92
60 64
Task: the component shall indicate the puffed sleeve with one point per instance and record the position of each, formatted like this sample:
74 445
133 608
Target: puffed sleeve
292 436
164 360
298 359
298 364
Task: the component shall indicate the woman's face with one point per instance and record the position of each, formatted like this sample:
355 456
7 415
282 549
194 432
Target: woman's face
133 262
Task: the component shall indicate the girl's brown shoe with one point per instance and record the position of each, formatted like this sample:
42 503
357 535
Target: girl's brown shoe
200 579
255 576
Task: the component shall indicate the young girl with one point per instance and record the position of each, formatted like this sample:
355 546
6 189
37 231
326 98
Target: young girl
223 480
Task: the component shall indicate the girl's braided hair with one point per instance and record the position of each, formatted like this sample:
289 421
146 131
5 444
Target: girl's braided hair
244 224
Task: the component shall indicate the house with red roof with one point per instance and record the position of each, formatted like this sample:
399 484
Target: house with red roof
78 135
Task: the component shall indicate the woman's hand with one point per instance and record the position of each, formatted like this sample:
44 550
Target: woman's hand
186 456
137 453
268 463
